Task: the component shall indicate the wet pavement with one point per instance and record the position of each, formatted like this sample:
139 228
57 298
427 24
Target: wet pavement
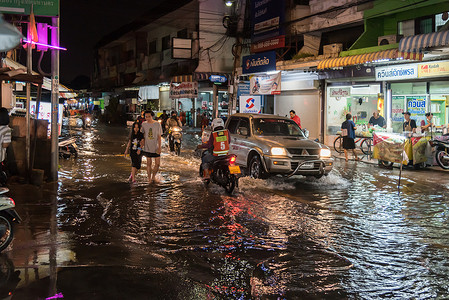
351 235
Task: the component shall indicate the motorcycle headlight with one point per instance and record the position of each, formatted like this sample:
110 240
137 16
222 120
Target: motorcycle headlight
278 151
177 129
325 153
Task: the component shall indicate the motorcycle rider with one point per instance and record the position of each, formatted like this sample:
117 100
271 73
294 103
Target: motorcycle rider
217 145
172 122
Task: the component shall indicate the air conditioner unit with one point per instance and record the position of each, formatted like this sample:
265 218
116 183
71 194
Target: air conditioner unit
388 39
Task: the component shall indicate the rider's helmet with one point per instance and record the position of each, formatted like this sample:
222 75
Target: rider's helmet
217 122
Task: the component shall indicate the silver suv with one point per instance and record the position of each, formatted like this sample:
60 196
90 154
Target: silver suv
268 144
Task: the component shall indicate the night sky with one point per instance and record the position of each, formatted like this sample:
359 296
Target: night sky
82 25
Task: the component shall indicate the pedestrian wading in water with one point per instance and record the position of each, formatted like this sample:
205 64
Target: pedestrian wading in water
348 132
134 150
151 144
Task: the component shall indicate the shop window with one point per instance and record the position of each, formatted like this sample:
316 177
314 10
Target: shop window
182 34
406 28
441 20
165 42
424 25
152 47
439 87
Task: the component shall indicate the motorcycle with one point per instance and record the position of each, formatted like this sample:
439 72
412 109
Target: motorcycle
441 153
8 218
224 172
174 139
87 122
68 147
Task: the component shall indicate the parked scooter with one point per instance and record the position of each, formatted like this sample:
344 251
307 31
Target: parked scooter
8 218
174 139
441 153
68 148
87 121
224 172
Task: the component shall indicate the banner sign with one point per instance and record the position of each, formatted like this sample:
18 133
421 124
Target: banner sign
267 19
266 85
262 62
46 8
340 92
184 90
433 69
45 112
270 44
416 105
397 72
250 104
397 109
243 90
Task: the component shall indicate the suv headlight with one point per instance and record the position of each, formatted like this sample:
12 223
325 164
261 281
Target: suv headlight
278 151
325 153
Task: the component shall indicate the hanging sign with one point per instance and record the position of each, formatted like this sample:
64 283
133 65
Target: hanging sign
217 78
340 92
184 90
250 104
266 85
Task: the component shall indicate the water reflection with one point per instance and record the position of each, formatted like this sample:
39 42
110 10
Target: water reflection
346 235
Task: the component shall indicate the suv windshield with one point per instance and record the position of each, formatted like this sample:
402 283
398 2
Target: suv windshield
276 127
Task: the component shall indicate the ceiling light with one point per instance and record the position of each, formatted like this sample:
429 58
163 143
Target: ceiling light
228 3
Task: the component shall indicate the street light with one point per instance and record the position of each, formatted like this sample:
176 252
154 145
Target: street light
228 3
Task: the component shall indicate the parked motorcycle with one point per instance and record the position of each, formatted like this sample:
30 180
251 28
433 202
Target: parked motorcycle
441 153
68 148
8 218
174 139
224 172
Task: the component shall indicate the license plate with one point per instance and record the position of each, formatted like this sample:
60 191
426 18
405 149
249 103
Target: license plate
234 169
307 165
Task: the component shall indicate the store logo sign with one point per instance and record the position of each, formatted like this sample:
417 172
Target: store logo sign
397 72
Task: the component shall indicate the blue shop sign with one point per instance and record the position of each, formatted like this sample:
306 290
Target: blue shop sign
218 78
261 62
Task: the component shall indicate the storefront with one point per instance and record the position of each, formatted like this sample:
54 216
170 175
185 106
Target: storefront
418 88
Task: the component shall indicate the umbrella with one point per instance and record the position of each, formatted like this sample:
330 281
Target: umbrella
10 36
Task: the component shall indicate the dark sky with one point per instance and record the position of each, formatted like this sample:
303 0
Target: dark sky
82 25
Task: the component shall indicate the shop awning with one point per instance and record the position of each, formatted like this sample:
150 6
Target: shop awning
414 45
357 59
182 78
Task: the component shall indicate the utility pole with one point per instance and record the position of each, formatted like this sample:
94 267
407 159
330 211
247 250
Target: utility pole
232 107
28 100
54 98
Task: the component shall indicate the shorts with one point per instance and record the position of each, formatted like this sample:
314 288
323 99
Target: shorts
348 143
151 154
136 160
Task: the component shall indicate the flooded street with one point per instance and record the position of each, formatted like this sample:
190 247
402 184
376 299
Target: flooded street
349 235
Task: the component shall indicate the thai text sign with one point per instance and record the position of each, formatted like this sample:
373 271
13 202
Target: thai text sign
184 90
340 92
416 105
48 8
397 72
433 69
250 104
266 85
268 17
262 62
270 44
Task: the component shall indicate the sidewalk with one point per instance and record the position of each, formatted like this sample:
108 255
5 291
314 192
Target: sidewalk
372 161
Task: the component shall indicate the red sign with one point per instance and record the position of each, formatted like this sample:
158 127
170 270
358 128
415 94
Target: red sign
270 44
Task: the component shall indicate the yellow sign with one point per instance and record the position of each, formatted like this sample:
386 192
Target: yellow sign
433 69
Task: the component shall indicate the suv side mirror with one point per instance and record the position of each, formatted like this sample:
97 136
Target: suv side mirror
243 131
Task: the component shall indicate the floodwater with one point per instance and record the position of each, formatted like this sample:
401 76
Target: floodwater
350 235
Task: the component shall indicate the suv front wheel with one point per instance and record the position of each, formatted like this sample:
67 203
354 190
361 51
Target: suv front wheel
255 168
